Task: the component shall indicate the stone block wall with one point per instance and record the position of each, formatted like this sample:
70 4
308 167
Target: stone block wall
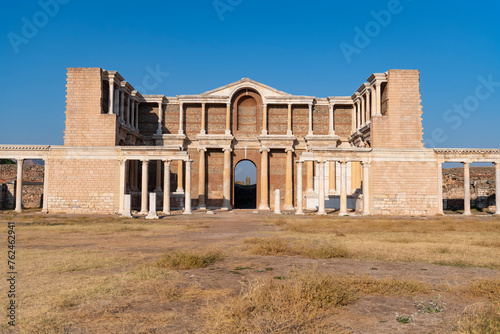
404 188
83 186
401 123
86 124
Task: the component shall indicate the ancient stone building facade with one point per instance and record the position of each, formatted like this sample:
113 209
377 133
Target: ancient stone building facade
361 153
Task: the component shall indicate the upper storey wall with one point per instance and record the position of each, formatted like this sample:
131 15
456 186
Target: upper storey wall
400 125
86 124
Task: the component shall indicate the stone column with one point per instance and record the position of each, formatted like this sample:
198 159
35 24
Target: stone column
332 178
144 190
201 182
366 188
228 119
45 205
203 119
363 110
331 128
166 186
289 127
226 202
353 117
158 176
111 95
467 211
374 102
160 118
129 110
497 187
343 189
321 192
122 104
19 186
264 119
116 104
137 115
300 195
289 180
152 214
310 132
136 175
440 187
180 177
264 180
310 177
187 196
123 183
181 118
358 114
132 121
379 99
277 202
368 106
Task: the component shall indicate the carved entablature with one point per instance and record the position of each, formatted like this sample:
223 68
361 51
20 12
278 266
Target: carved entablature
467 154
222 141
277 141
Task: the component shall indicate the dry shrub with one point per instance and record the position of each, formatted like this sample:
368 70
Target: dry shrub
366 284
485 288
295 304
278 246
189 259
480 319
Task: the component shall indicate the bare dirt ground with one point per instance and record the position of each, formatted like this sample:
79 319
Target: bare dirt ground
100 274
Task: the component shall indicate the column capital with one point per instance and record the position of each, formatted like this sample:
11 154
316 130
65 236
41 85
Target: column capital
20 160
167 161
202 149
466 162
145 161
366 163
497 164
289 149
227 149
122 161
299 161
263 148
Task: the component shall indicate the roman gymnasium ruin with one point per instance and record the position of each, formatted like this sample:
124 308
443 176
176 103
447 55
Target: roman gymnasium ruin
352 155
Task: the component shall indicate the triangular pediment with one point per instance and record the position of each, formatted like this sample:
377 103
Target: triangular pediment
262 89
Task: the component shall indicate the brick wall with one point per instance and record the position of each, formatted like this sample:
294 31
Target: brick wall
401 123
342 121
404 188
86 125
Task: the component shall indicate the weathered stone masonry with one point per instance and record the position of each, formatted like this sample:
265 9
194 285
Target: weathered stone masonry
361 153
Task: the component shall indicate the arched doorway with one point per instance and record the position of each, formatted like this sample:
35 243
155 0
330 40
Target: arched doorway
245 185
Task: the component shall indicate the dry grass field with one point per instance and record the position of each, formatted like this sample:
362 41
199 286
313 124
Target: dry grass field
240 272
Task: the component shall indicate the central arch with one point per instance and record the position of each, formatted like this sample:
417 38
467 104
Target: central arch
245 185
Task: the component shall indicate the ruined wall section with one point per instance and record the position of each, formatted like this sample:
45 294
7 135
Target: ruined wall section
400 125
86 124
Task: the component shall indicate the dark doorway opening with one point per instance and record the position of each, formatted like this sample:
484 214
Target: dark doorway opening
245 185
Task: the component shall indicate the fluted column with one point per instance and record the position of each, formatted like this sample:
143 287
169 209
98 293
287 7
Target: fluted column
228 119
158 176
300 195
497 187
226 202
368 106
289 124
440 187
166 186
122 104
358 113
331 127
123 184
137 115
129 111
264 119
467 211
132 111
201 181
180 177
321 192
310 132
111 95
264 180
363 110
374 102
19 186
203 118
343 189
289 180
144 187
353 117
187 196
366 188
46 169
332 178
160 118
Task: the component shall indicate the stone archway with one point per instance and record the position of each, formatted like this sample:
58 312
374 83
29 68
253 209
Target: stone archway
245 185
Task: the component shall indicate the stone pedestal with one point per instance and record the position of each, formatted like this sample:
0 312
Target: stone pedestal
300 194
277 202
321 190
152 207
126 207
467 211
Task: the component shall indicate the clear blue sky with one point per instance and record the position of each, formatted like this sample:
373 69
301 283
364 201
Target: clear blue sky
294 46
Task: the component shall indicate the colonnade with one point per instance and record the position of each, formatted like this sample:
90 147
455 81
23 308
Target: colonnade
123 104
467 206
321 186
367 103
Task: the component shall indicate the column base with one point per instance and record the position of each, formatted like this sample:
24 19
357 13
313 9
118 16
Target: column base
264 132
289 133
367 214
299 213
143 213
187 213
277 212
228 132
323 213
288 208
45 211
154 216
202 207
166 213
127 215
467 213
179 191
18 210
343 213
264 207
